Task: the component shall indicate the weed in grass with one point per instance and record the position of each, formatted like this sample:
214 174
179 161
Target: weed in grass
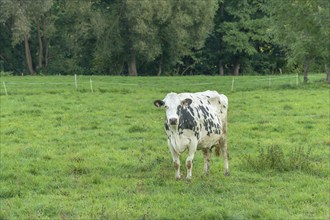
300 159
274 158
287 107
137 129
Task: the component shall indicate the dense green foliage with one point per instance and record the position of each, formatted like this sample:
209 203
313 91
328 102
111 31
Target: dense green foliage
157 37
305 31
70 153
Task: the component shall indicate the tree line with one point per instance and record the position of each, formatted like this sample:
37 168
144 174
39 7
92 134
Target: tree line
164 37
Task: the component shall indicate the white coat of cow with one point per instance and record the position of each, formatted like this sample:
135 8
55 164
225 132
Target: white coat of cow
195 121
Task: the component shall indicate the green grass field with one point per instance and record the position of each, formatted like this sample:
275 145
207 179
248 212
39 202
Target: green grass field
70 153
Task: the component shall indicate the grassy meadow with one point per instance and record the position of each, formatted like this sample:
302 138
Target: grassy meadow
74 153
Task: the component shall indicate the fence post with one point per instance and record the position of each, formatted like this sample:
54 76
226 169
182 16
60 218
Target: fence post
297 80
90 81
4 86
75 81
232 84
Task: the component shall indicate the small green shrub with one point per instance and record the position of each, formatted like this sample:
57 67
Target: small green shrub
300 159
274 159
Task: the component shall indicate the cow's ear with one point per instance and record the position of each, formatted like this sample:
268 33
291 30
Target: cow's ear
159 103
186 102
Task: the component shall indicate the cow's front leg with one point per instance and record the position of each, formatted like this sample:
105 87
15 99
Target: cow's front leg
177 168
176 162
223 144
207 158
189 161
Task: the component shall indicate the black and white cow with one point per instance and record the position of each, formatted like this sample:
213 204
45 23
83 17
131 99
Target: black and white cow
195 121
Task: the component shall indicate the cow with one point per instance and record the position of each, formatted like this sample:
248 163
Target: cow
195 121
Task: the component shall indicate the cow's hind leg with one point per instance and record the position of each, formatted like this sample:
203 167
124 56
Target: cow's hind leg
223 145
207 158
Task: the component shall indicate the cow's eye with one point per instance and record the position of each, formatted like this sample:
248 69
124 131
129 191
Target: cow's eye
166 106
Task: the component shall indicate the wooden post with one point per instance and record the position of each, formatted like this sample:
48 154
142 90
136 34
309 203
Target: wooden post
297 80
232 84
75 81
91 83
4 86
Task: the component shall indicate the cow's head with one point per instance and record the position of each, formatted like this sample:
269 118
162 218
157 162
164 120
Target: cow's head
173 106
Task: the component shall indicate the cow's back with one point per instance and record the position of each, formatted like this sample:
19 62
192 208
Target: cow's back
218 101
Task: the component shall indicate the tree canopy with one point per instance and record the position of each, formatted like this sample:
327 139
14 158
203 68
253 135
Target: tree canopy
302 27
157 37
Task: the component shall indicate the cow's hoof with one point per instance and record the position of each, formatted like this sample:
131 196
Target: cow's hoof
227 173
188 179
205 175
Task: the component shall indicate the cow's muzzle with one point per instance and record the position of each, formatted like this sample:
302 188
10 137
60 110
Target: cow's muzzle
173 121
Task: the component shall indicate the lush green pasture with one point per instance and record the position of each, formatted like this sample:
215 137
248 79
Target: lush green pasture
70 153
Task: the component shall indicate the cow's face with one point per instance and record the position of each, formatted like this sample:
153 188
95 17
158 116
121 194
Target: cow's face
173 106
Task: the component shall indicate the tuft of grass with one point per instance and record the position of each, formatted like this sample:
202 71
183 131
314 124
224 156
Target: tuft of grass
274 158
301 159
137 129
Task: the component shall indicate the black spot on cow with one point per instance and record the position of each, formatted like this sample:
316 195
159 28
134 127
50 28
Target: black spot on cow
191 110
166 126
204 111
197 135
211 125
186 118
198 115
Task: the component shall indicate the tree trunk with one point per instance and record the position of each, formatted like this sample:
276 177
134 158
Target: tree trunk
185 70
221 71
177 71
28 55
45 43
46 52
306 69
236 68
40 55
327 71
160 66
222 9
132 65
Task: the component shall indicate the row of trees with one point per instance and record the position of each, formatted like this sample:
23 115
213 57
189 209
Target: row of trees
157 37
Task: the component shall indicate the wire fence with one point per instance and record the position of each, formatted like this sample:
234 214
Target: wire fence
59 84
